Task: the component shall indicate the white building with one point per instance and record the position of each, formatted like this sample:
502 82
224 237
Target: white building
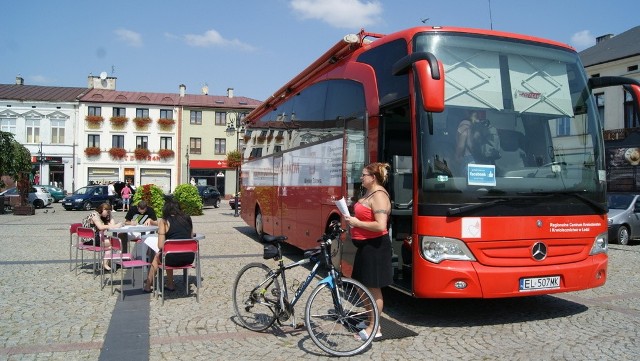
44 119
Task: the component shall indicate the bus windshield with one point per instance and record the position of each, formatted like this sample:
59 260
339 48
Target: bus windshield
519 125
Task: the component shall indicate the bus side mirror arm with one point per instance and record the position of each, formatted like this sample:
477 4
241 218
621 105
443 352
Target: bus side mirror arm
430 75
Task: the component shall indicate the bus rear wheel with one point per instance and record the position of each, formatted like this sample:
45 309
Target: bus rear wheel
259 224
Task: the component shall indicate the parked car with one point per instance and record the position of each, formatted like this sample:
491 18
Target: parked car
623 217
38 196
232 202
210 196
90 197
57 193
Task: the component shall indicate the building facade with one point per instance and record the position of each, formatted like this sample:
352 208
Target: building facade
617 55
44 120
99 134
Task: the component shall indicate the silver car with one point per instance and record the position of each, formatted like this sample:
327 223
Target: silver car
624 217
38 196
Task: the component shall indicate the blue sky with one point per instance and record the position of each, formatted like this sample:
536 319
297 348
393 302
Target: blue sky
253 46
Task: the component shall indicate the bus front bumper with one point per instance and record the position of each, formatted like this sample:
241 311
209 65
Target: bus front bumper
465 279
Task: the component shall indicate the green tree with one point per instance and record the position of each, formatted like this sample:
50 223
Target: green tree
15 160
153 195
15 163
189 199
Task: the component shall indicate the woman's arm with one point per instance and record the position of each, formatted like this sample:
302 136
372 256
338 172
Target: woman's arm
97 221
162 232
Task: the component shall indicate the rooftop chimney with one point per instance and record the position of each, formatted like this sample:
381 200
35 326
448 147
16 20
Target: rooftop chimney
183 89
103 81
19 80
230 92
602 38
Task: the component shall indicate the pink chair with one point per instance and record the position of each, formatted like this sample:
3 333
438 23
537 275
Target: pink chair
87 233
125 261
173 246
73 231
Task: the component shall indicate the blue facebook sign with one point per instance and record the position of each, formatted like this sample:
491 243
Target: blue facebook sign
481 174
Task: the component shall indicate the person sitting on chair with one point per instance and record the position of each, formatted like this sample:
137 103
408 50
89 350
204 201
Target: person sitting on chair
175 224
138 215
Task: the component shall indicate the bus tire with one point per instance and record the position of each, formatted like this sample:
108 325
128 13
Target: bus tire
259 225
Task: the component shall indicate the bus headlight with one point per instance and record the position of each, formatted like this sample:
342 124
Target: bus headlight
600 244
438 249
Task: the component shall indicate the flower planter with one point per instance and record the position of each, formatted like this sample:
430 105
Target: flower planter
165 123
166 153
117 153
118 122
234 159
27 210
142 122
92 151
142 154
94 121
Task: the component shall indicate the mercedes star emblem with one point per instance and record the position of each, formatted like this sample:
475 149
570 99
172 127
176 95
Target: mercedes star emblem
539 251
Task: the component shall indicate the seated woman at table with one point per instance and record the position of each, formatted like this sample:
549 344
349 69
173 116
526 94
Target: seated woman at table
175 224
138 215
100 220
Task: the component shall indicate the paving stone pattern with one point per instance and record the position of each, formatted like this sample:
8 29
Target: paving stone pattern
49 313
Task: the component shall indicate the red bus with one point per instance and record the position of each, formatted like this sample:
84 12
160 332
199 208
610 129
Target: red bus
529 220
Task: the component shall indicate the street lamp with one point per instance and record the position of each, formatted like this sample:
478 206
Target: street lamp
236 125
41 159
186 155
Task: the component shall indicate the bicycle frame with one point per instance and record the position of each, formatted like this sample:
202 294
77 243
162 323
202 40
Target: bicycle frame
330 280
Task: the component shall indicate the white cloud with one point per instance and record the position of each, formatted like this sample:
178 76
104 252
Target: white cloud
582 40
40 79
213 38
340 13
130 37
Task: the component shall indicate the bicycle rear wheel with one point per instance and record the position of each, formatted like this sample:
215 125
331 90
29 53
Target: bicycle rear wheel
255 297
333 319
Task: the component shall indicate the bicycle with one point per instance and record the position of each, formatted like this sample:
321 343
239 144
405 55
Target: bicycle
337 309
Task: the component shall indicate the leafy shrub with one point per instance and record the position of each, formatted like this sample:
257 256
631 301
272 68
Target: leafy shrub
153 195
189 199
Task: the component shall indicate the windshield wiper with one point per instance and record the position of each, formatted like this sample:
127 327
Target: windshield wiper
496 200
576 194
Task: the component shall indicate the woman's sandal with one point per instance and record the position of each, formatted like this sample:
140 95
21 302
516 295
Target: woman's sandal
362 335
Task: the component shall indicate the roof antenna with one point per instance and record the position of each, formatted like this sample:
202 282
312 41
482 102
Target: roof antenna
113 69
490 17
424 21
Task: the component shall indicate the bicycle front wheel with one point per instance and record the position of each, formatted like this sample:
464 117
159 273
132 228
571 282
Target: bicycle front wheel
255 297
335 316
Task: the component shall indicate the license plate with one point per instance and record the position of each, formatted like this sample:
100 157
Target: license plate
539 283
67 204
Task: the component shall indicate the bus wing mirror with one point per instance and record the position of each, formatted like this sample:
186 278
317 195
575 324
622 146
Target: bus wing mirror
430 75
431 89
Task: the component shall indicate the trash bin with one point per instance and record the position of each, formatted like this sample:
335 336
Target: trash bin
2 205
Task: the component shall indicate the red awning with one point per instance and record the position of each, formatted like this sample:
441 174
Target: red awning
208 164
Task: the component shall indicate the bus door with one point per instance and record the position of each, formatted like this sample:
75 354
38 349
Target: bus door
396 149
281 223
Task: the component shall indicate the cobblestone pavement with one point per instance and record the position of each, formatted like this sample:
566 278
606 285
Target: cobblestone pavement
47 312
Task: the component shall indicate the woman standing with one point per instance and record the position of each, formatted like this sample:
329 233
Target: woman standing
126 197
372 265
